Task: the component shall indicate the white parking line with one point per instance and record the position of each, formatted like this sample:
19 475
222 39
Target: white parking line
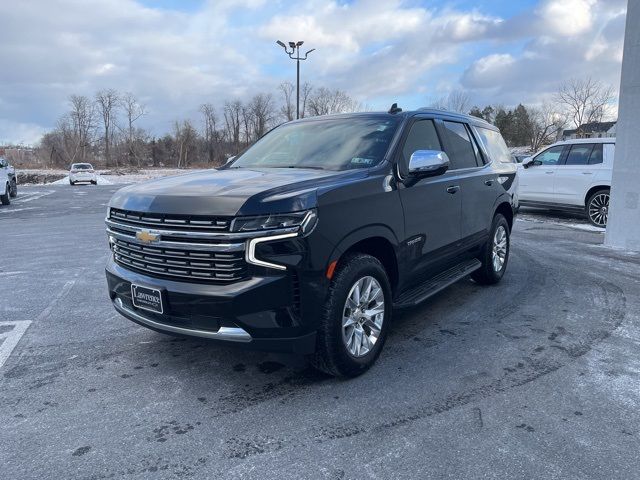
11 338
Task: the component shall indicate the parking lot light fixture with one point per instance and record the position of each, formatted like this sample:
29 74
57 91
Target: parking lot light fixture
294 54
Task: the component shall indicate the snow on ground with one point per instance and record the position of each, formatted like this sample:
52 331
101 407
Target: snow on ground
548 218
105 177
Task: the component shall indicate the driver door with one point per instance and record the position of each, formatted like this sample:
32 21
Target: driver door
432 206
537 181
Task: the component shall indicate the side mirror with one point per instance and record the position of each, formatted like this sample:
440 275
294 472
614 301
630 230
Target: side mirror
528 162
428 163
230 159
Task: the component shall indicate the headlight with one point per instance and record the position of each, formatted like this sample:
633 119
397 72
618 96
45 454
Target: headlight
305 219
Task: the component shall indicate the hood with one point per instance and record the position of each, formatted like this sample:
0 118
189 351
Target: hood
230 192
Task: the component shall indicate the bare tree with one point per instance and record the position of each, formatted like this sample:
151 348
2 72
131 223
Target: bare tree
232 120
305 93
186 137
107 103
324 102
585 100
77 127
212 136
262 113
288 108
133 111
546 123
455 101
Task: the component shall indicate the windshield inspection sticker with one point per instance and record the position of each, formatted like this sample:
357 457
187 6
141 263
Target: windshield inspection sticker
361 161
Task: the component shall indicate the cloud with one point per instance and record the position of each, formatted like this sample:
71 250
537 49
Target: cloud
379 51
565 39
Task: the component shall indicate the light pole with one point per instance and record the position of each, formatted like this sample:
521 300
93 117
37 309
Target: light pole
295 50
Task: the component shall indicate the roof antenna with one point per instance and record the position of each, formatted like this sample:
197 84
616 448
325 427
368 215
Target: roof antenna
395 109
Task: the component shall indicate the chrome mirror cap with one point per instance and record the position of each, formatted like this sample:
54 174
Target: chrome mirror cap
428 162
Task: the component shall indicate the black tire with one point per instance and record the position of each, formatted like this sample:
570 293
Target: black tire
332 355
94 183
487 274
597 208
5 197
13 192
71 183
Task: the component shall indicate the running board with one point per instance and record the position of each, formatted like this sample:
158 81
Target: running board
421 292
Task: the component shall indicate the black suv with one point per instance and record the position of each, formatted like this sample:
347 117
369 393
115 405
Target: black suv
308 240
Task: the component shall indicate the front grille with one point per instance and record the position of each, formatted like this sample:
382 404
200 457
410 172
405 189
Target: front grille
179 247
218 267
197 223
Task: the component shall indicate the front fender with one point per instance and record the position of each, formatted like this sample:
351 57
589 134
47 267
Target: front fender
363 233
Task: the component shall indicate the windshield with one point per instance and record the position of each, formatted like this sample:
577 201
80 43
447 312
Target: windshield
81 166
330 144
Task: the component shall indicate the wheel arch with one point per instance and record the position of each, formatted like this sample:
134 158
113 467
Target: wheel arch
375 240
593 190
506 211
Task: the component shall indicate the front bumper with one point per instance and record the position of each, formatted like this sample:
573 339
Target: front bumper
259 312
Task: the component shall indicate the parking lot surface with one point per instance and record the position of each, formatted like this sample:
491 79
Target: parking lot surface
537 377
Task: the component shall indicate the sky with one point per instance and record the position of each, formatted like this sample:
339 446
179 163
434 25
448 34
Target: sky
175 55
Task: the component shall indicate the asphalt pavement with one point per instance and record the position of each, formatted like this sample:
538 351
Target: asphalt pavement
537 377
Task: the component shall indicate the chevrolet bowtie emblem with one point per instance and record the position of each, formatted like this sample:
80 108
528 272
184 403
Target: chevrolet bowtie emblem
145 236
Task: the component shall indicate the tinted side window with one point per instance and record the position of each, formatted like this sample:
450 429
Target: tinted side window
461 153
422 136
579 154
550 156
494 145
596 154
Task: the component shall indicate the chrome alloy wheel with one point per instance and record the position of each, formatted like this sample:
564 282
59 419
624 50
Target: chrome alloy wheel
362 316
500 245
599 209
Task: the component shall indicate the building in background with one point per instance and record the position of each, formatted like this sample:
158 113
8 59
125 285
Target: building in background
591 130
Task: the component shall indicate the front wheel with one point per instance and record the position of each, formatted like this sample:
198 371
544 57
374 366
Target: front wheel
5 198
13 191
495 253
598 208
355 319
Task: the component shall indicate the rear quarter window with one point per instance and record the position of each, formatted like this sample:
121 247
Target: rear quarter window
494 145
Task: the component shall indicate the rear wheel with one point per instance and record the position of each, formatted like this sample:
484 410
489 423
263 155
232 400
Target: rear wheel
598 208
495 253
13 191
5 197
71 183
355 319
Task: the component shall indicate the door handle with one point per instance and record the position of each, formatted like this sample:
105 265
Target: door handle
488 183
453 189
587 173
551 172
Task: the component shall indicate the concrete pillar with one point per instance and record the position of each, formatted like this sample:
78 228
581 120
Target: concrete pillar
623 225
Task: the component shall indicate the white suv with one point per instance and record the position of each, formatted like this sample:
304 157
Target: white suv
571 175
8 182
82 172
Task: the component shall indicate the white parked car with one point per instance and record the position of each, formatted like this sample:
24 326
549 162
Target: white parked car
572 175
8 182
82 172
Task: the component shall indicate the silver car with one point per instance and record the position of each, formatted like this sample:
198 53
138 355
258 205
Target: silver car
82 173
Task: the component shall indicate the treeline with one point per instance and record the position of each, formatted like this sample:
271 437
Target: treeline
577 102
105 129
525 126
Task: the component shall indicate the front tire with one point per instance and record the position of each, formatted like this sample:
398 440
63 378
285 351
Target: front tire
597 209
355 318
5 198
495 253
